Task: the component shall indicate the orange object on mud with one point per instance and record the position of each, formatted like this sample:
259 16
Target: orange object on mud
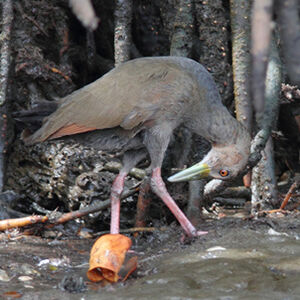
107 257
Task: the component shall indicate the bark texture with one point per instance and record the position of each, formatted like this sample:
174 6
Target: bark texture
261 37
241 60
5 67
264 183
212 21
289 25
123 40
182 38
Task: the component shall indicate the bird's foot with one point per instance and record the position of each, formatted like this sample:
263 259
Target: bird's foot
199 233
185 239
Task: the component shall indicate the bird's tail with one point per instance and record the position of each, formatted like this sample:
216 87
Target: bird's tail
28 121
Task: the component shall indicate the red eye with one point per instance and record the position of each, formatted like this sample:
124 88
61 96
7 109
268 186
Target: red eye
224 173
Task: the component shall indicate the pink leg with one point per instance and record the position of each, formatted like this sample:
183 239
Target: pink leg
160 190
115 194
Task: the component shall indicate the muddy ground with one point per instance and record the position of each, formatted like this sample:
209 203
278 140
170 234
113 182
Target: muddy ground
239 258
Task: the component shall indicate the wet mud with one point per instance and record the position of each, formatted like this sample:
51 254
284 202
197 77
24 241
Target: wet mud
237 259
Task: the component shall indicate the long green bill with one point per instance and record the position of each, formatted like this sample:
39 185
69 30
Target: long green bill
195 172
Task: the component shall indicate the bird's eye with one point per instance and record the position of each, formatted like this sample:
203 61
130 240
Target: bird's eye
224 173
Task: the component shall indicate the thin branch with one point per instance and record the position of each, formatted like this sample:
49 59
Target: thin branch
264 184
5 63
272 92
241 60
261 37
21 222
264 191
122 39
289 194
7 19
287 197
289 25
195 201
182 38
116 167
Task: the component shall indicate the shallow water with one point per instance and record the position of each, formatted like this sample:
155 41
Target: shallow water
252 265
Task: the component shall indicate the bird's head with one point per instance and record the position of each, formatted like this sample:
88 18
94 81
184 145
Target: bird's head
221 162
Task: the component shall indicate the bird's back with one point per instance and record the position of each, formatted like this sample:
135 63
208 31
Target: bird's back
131 96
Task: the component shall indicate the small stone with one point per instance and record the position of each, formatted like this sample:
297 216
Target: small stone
28 269
289 95
27 286
274 232
25 278
216 248
4 276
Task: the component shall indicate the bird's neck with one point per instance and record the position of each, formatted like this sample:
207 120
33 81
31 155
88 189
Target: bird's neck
221 128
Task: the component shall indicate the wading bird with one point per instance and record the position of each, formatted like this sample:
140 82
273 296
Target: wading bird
135 108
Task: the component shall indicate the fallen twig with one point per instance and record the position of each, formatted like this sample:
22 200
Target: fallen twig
289 194
21 222
286 199
53 220
114 166
55 70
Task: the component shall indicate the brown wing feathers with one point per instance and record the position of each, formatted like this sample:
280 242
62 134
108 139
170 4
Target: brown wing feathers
69 130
